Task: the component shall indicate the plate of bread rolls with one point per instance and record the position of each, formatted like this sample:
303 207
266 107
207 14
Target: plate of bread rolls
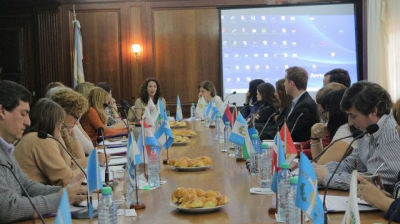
187 164
177 124
179 140
197 200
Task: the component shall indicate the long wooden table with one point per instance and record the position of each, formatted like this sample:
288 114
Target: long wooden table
226 175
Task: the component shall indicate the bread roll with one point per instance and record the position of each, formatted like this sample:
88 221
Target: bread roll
223 200
200 192
210 202
181 163
210 194
197 203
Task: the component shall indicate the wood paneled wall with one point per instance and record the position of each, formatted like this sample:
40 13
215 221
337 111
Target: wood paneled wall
180 35
179 40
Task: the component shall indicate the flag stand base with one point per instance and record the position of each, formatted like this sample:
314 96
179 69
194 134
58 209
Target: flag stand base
272 210
240 160
165 161
138 206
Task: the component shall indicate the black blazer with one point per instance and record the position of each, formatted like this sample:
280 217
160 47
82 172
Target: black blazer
264 112
302 131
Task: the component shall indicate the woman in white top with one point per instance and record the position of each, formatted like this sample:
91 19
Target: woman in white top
336 127
207 90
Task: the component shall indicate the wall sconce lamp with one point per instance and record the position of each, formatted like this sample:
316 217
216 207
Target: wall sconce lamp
136 50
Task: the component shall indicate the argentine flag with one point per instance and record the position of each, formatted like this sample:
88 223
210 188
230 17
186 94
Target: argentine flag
94 181
134 157
63 211
179 115
151 113
164 135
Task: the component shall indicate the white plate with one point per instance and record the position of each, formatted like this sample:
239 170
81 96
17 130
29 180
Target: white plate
180 143
192 168
195 210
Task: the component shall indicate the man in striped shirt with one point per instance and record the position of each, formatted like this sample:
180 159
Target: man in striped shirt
367 103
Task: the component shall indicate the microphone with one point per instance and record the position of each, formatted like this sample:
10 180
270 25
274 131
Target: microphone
305 112
126 107
25 192
354 135
372 128
100 132
112 108
266 123
245 106
234 92
82 214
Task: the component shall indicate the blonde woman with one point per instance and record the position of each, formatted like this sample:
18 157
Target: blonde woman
84 88
44 160
96 116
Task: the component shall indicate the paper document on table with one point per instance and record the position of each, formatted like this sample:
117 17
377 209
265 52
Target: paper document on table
108 142
118 160
339 204
111 169
113 151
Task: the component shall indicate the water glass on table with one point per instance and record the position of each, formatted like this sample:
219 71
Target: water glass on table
119 185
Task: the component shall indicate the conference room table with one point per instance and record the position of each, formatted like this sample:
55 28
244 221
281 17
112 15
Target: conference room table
227 176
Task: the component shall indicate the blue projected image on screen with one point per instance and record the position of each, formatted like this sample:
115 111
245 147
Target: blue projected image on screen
264 46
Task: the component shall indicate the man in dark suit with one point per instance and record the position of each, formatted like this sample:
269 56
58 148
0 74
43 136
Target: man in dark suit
295 85
303 105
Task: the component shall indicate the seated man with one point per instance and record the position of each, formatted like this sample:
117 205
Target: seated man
295 85
367 103
14 204
337 75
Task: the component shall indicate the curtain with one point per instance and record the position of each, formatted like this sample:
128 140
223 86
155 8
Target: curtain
383 43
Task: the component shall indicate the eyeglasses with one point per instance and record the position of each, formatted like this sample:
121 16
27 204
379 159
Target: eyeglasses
64 126
76 117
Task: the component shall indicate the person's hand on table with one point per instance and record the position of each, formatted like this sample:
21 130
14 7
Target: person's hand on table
76 192
372 194
102 159
320 172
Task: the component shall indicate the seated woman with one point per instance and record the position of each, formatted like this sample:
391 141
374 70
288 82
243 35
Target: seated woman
53 87
268 102
251 103
84 88
280 93
72 132
268 132
336 127
376 197
96 118
208 92
113 118
150 90
44 160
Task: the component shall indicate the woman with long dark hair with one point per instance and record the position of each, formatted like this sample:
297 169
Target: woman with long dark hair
251 104
269 104
150 90
336 127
